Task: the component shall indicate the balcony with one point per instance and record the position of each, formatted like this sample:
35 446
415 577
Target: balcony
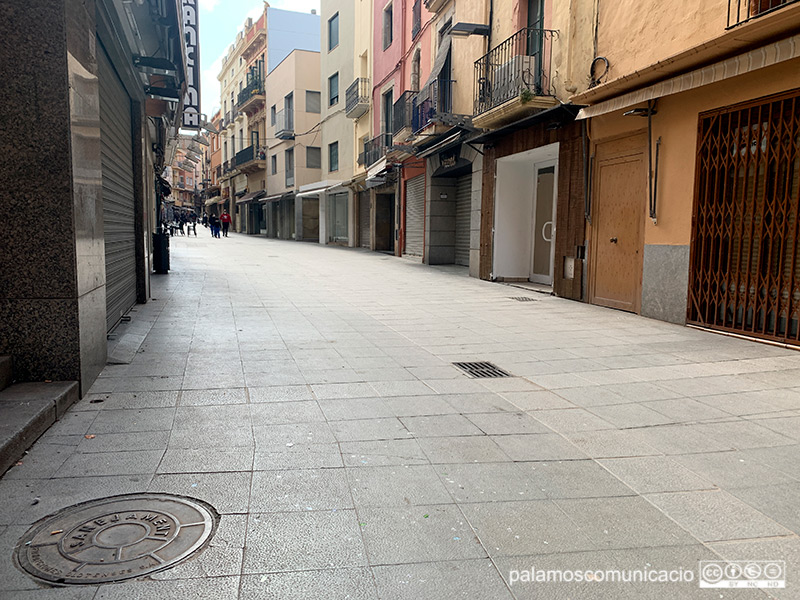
252 97
742 11
402 115
434 100
251 160
357 98
376 148
284 124
435 6
229 118
228 169
513 79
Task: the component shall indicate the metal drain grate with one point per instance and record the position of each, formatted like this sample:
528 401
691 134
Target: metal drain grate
523 299
481 370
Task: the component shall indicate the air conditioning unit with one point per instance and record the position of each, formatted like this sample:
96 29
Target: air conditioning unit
512 77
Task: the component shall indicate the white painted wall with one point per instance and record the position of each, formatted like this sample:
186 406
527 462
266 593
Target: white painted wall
513 211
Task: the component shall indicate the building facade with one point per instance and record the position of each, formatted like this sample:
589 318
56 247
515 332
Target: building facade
102 137
293 100
694 190
333 192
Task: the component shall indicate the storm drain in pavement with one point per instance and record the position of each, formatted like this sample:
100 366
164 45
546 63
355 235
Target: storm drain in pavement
523 298
116 538
481 370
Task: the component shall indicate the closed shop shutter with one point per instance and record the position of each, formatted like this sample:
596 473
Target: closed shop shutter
415 215
116 159
337 213
363 218
463 208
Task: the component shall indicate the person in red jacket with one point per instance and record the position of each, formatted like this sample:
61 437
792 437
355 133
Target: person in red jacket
225 218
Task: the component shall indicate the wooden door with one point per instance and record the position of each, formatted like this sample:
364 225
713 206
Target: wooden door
618 224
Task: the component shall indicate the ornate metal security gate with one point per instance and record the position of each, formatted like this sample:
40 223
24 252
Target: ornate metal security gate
745 257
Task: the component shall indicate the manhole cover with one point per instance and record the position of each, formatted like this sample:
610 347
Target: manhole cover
115 538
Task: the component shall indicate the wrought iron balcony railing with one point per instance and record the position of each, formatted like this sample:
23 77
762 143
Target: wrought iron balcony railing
433 100
742 11
245 156
517 67
254 88
375 148
250 154
229 165
402 111
284 124
357 98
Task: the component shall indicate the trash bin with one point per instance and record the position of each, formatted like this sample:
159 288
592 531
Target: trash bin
161 253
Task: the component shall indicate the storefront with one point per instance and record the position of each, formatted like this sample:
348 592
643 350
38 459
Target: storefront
532 218
709 238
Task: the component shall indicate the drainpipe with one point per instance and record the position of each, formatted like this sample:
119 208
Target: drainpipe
491 25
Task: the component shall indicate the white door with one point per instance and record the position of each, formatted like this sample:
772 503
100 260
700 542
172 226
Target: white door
543 222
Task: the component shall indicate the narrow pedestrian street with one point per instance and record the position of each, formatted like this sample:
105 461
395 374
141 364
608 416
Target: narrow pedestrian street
308 394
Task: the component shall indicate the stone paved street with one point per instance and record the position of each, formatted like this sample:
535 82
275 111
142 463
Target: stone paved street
308 394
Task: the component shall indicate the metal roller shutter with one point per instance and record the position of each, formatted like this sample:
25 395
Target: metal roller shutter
463 208
116 158
363 218
415 215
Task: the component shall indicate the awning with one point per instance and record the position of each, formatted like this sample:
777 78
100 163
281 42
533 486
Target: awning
339 188
561 114
273 198
214 200
448 142
251 196
376 169
766 56
438 63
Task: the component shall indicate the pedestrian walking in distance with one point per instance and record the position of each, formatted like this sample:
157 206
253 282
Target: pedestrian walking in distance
205 219
213 222
226 222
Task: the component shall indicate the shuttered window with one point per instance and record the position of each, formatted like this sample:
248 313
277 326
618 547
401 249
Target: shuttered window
116 159
363 218
415 215
463 207
314 157
313 102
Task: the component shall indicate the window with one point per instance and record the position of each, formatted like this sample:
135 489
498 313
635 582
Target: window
289 157
388 110
272 113
333 32
313 102
416 18
333 89
274 161
333 156
387 27
313 157
288 106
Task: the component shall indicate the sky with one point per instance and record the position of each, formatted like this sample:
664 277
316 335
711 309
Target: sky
219 22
